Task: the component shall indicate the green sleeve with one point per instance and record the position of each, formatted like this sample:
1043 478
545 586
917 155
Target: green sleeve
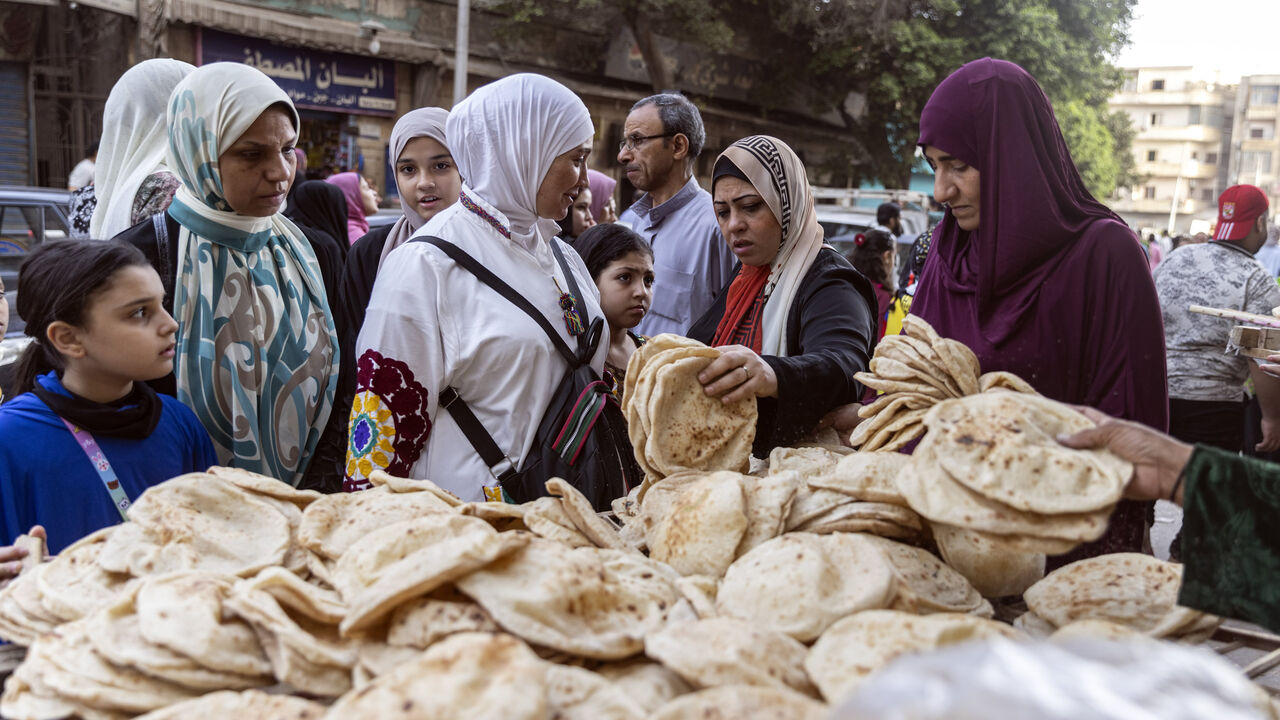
1231 537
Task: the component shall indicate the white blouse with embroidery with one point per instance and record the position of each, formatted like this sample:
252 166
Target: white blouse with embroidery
431 324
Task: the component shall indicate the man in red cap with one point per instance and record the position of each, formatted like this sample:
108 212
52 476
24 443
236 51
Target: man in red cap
1206 381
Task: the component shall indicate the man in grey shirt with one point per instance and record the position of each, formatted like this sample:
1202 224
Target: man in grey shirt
691 262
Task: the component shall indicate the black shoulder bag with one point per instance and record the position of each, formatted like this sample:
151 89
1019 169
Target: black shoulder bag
582 437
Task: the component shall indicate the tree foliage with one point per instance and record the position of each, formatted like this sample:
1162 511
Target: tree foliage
888 55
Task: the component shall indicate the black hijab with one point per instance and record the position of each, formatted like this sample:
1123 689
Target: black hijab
321 206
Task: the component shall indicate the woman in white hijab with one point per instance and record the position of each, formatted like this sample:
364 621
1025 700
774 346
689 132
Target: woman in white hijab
131 179
796 320
432 325
257 351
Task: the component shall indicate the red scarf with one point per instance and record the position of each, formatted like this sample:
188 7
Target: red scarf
743 319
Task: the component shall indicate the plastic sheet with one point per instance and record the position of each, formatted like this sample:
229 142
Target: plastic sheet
1078 679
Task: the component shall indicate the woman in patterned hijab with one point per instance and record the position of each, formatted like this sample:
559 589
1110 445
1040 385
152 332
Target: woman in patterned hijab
257 352
796 321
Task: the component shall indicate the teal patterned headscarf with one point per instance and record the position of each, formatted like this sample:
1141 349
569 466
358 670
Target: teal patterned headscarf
257 353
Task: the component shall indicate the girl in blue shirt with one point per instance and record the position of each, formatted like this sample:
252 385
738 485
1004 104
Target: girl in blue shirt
88 436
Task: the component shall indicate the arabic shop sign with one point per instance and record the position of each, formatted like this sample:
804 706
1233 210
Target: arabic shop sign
312 78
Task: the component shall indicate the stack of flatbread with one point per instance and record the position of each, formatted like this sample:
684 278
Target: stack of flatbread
722 595
915 371
990 464
1115 595
674 425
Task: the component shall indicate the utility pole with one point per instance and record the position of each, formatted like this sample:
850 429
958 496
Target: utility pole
461 50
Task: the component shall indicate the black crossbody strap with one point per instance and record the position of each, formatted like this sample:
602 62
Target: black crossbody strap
480 438
488 278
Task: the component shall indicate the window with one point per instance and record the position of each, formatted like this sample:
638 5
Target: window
1207 194
1193 115
1255 162
1264 95
1149 192
1211 158
1155 120
1261 130
1151 156
1195 155
1157 85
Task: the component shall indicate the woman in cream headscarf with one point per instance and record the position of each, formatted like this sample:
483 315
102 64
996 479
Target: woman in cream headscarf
256 355
130 179
432 325
796 321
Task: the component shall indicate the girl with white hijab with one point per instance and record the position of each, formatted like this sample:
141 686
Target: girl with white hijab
432 325
257 352
796 320
131 179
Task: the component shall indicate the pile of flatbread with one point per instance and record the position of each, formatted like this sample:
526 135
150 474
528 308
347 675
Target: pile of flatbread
721 595
990 464
1117 595
913 372
674 425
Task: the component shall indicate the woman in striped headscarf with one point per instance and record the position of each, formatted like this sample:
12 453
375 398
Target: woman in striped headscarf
796 320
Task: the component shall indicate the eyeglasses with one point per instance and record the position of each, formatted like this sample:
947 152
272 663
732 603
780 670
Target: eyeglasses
635 141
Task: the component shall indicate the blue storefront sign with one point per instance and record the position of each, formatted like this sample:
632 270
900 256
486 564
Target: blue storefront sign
312 78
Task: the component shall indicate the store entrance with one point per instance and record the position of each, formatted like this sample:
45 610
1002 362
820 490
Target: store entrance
329 141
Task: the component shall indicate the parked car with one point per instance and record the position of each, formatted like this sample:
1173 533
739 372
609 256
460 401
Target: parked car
28 217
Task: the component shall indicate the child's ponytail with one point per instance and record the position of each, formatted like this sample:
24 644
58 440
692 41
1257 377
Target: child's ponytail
56 282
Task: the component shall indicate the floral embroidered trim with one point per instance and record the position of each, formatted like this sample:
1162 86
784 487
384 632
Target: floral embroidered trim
471 205
389 423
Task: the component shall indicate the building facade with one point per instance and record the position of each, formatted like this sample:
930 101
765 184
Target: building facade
1183 119
353 66
1255 147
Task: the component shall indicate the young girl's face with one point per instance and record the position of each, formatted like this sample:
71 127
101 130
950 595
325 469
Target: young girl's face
427 177
626 289
127 335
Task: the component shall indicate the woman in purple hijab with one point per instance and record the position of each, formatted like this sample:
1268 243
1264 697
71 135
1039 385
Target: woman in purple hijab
1029 270
602 205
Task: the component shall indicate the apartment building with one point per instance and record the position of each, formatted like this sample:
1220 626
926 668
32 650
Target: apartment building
1255 147
1184 122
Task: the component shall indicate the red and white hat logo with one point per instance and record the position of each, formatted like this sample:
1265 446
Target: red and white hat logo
1228 210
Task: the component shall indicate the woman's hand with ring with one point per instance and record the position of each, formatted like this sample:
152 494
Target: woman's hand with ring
739 373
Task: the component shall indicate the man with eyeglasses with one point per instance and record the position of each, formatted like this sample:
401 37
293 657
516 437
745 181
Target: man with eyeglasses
661 140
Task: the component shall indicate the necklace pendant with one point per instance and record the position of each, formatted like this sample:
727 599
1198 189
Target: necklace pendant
572 320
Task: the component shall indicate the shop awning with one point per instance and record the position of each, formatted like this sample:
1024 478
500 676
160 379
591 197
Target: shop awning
289 29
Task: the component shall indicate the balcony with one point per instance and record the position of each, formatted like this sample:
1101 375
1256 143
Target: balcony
1190 169
1261 112
1156 205
1181 133
1157 98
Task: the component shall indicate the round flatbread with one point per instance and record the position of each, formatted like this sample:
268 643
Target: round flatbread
800 583
857 646
700 533
412 558
247 705
727 651
473 676
1130 589
589 602
993 568
697 432
1004 446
